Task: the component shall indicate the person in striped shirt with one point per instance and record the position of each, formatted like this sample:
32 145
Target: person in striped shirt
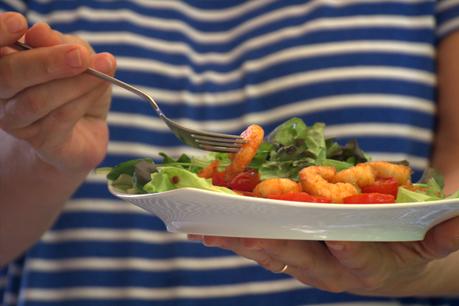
367 68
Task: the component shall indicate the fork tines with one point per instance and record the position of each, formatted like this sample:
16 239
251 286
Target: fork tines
218 142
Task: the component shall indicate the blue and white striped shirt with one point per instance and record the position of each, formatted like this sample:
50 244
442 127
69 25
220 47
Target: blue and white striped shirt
364 67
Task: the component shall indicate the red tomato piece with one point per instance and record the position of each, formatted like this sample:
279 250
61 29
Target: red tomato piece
299 197
369 198
218 179
387 186
245 181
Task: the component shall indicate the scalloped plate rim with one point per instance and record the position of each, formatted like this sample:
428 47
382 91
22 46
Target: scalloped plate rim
181 210
198 191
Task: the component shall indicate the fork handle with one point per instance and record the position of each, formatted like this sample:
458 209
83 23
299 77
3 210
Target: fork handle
22 46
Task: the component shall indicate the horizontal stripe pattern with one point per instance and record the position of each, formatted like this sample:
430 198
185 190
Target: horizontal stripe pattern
182 53
16 5
220 14
111 235
110 264
257 65
223 37
104 205
364 67
447 17
310 106
96 293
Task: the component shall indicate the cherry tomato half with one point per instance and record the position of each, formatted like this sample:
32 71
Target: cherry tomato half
299 197
369 198
245 181
386 186
218 179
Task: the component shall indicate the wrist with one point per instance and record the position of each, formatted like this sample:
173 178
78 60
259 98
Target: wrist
52 174
23 165
31 191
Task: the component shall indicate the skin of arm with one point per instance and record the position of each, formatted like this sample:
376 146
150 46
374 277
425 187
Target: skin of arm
52 127
446 154
421 268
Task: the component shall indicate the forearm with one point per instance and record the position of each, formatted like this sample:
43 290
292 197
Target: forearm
444 273
52 128
442 276
445 158
32 194
446 152
446 161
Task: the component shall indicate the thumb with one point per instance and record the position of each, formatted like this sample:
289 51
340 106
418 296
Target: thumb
41 35
442 239
12 27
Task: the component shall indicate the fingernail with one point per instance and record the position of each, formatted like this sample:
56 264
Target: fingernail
14 24
43 24
103 64
73 58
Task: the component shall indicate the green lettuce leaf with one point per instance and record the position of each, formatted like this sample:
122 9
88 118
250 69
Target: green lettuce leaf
350 152
289 148
404 195
454 195
293 145
126 167
289 131
169 178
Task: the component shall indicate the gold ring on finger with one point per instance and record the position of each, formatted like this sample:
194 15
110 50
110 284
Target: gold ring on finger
284 268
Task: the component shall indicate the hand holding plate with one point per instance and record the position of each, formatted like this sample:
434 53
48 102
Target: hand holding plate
366 268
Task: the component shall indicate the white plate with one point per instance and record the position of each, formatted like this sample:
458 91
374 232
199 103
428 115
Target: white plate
196 211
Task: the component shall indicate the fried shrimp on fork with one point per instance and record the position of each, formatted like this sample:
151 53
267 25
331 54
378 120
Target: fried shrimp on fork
318 181
253 137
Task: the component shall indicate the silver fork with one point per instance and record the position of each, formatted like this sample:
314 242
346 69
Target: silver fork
215 142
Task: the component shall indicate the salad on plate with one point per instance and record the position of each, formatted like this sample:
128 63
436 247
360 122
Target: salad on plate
295 162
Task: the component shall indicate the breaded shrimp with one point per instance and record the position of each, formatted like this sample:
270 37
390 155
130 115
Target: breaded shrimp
401 173
317 181
275 186
360 175
365 174
253 137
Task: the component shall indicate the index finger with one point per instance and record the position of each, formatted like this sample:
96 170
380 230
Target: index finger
12 27
41 65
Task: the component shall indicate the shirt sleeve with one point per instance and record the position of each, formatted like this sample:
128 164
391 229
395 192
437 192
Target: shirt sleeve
13 5
447 17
